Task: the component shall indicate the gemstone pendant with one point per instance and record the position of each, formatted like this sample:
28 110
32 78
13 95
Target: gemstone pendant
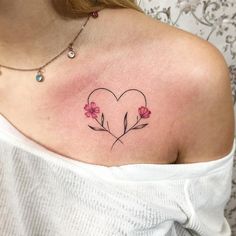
39 77
71 53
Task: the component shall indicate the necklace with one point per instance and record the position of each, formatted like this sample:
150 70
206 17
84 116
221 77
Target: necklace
71 53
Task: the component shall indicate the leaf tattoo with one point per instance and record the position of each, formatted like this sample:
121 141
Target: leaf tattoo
96 128
102 119
125 122
140 126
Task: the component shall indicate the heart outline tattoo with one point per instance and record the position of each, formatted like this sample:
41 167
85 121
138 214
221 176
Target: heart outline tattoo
92 110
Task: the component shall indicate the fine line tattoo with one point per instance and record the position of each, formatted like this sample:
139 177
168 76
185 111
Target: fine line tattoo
92 110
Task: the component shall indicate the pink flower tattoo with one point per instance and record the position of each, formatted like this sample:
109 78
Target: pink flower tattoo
91 110
144 112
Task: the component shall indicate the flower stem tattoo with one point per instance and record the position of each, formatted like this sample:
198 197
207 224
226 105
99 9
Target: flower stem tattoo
92 111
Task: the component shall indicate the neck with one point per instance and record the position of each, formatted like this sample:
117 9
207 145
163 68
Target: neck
33 26
24 19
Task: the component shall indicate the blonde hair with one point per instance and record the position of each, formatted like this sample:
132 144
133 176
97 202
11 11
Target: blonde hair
81 8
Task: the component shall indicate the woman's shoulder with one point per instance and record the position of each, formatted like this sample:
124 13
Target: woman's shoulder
199 75
132 28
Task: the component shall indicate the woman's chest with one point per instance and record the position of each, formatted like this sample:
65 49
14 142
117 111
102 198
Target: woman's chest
107 114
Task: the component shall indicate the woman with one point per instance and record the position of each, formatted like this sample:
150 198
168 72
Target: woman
112 123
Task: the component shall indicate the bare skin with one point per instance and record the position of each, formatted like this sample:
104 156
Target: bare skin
120 50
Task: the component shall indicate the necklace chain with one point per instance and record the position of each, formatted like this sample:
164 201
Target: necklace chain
71 54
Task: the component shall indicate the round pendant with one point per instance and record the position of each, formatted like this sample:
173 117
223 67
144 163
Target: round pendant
71 54
39 77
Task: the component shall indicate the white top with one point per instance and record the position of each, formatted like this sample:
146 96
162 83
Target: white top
46 194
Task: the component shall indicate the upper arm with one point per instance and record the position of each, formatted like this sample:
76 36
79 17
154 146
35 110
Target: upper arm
206 125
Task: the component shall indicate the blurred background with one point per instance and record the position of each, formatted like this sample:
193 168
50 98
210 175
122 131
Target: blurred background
214 21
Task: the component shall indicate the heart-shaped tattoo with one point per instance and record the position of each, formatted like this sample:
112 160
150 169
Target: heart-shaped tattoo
93 111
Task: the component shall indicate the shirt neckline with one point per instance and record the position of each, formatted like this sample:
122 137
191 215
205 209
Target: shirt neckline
12 135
